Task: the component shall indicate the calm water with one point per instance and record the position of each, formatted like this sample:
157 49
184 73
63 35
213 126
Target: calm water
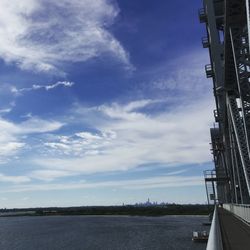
100 233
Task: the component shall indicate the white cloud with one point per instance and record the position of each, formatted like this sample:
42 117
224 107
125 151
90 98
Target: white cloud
14 179
147 183
42 34
127 111
45 87
48 175
176 137
123 136
88 136
182 83
79 144
6 110
37 125
12 140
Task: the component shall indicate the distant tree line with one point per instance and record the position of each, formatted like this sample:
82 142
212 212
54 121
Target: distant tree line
170 209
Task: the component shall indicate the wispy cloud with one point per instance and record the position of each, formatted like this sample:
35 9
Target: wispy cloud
14 179
126 137
5 110
49 175
41 35
37 125
38 87
13 135
184 81
147 183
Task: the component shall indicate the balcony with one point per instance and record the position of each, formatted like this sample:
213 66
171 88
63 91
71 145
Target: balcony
202 15
209 71
216 115
205 42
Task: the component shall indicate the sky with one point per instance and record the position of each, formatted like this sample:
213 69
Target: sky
103 102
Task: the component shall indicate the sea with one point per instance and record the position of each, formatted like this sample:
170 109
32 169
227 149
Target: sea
100 232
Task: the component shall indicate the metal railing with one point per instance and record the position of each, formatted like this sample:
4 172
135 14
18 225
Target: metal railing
240 210
214 240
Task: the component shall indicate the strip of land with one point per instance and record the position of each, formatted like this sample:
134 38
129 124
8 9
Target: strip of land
172 209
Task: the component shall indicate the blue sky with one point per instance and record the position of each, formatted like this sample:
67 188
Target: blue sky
102 102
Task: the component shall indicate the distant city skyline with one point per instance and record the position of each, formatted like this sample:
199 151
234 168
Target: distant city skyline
148 203
102 102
